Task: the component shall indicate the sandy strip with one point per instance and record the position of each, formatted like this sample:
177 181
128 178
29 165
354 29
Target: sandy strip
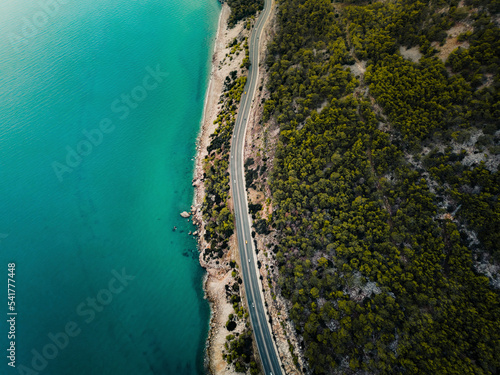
218 273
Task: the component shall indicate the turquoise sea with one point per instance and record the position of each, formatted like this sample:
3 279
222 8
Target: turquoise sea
100 107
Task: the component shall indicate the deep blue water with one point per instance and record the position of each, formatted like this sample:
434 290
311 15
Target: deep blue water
100 106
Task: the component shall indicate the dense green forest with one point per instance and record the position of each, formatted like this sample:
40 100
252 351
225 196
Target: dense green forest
385 183
241 9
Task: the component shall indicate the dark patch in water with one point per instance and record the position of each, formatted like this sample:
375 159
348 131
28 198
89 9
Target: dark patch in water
155 356
190 253
184 370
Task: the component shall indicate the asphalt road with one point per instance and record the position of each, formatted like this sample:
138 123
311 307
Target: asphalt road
258 315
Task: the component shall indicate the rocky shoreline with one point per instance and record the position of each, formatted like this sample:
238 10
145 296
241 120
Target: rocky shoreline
219 272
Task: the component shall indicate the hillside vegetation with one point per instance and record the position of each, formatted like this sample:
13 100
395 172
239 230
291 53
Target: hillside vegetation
241 9
385 183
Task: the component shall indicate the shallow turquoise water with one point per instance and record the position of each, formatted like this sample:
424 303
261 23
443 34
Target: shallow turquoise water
72 222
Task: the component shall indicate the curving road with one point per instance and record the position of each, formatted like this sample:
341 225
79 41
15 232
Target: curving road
258 316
